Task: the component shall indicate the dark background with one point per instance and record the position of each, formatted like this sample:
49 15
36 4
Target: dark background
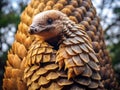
108 11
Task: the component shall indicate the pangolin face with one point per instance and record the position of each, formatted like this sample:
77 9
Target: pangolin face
47 24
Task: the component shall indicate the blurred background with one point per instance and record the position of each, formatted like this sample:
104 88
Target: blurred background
107 10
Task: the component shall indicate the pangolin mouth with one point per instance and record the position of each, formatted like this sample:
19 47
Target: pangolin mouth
39 29
42 31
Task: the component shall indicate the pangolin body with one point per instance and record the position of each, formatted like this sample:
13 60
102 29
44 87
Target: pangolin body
77 66
80 11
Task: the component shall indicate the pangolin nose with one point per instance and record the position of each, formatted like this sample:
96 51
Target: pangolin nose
32 30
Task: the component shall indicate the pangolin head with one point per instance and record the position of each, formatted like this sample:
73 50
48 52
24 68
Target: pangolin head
48 24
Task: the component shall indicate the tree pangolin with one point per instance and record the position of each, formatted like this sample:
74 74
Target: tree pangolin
74 55
80 11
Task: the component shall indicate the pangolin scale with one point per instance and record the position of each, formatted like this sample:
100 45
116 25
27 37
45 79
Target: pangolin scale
81 12
73 66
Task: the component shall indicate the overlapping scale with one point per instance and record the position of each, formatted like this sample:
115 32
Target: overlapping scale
69 63
76 49
43 81
38 52
77 61
41 71
79 11
87 72
70 51
78 70
81 63
93 84
43 77
79 39
83 81
52 76
93 65
84 48
64 82
94 57
84 57
34 77
96 76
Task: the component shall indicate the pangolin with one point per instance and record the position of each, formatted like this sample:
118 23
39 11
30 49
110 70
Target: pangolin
81 12
68 62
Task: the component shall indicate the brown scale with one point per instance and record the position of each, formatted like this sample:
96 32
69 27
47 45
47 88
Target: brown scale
77 54
83 8
42 72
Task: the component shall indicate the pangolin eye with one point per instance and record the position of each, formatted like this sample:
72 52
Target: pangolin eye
49 21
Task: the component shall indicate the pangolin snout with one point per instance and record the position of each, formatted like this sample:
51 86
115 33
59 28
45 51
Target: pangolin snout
33 30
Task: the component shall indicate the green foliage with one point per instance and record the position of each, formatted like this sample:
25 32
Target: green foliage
117 10
9 18
115 48
115 53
